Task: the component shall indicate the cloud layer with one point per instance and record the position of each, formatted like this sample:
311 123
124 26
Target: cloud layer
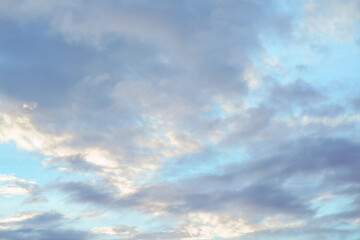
180 119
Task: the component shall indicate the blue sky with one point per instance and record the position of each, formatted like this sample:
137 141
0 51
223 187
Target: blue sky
203 119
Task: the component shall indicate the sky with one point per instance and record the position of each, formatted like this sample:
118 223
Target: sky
168 119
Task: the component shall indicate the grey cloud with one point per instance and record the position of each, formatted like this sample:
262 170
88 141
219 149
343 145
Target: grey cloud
37 220
328 110
48 218
302 68
76 163
178 200
303 233
167 61
137 63
355 102
87 193
46 225
298 93
44 234
253 189
33 190
35 68
160 235
249 126
346 217
333 162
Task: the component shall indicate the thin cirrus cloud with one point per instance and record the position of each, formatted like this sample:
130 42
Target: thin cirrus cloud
179 119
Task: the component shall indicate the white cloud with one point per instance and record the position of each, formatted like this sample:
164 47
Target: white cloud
20 129
333 18
209 225
10 190
30 106
253 76
165 141
324 196
14 219
116 230
10 178
332 122
12 186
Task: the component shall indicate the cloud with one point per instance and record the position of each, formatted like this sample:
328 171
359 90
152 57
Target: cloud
73 163
31 106
309 156
297 93
18 128
43 234
116 230
135 93
207 226
114 99
258 195
12 186
119 95
327 110
38 225
331 121
17 218
174 199
87 193
337 20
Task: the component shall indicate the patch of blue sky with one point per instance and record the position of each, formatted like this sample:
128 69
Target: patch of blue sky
59 202
214 111
52 200
69 175
304 182
357 235
289 7
270 61
72 212
333 205
328 64
23 164
338 74
2 59
145 222
218 238
27 165
9 205
208 161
